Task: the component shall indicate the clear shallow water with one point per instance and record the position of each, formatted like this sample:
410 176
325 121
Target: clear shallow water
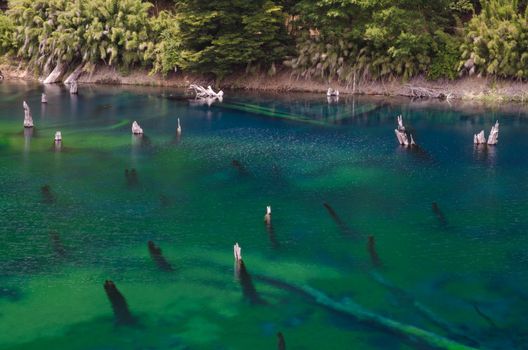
464 278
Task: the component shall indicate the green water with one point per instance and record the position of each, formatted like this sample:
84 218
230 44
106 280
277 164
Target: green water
296 152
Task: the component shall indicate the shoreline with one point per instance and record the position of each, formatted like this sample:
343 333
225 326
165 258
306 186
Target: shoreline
467 89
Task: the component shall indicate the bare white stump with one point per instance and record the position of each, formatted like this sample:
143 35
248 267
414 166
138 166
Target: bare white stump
402 137
237 251
43 98
400 123
28 120
479 138
74 88
136 129
493 138
267 216
58 136
178 129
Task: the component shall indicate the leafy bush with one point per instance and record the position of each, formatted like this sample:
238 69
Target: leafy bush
497 39
375 39
164 54
6 34
444 63
51 31
222 36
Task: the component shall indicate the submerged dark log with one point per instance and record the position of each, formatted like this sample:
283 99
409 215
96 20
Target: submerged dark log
56 244
407 299
271 234
238 166
439 215
141 141
484 316
165 201
281 344
343 227
420 153
422 338
10 294
119 304
248 289
371 247
131 177
47 195
157 256
176 140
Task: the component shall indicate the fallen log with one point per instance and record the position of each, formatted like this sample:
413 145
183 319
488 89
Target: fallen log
410 332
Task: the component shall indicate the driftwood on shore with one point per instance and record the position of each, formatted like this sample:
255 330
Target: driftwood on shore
424 92
202 92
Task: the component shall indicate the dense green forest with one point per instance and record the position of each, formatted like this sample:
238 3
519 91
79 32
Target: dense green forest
323 39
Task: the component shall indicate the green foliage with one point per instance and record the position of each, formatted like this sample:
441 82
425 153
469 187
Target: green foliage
6 34
446 55
50 31
164 53
497 39
373 38
328 39
222 36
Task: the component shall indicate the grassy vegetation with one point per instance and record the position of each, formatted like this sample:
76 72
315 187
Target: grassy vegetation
331 40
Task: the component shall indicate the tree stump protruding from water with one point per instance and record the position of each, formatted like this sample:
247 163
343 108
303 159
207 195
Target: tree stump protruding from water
28 120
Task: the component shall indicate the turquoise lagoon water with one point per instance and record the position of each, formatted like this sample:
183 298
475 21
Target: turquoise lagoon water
458 270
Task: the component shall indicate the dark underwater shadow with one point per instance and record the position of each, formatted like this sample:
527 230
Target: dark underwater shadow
119 305
48 197
345 230
248 289
158 258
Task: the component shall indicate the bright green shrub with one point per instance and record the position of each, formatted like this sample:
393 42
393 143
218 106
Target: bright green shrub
115 32
6 34
497 40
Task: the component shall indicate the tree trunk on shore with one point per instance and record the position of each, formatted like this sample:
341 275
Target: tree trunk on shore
57 73
75 74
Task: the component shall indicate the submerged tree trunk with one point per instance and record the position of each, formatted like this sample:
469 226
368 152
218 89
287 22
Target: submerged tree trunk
412 333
